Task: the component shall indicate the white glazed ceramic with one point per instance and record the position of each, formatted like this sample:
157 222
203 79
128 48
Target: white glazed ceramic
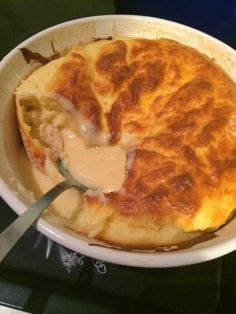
13 69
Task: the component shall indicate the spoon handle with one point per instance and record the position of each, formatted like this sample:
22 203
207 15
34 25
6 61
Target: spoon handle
14 231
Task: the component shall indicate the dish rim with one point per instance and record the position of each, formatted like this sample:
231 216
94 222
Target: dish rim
122 257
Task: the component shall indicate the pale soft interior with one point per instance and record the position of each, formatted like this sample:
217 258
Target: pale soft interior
101 166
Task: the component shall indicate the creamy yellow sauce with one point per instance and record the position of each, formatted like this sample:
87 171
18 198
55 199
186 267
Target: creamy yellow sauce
65 205
84 150
98 167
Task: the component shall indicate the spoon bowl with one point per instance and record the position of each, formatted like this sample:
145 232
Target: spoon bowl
69 177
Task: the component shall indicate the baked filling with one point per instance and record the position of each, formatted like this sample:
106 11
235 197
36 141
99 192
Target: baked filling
149 124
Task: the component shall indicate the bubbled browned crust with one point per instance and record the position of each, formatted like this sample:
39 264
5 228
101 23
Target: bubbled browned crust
74 82
181 107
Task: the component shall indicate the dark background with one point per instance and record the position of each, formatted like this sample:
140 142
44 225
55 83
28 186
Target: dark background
33 277
215 17
20 19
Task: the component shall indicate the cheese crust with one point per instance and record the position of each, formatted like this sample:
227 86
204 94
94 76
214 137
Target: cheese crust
181 108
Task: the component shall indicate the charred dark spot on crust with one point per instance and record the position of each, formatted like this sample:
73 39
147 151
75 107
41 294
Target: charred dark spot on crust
182 183
135 88
121 74
168 140
182 125
207 133
114 122
158 195
191 156
223 165
35 56
112 58
102 38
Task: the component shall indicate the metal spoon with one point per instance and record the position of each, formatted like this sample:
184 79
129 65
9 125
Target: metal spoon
14 231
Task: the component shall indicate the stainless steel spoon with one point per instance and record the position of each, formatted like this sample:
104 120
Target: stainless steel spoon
14 231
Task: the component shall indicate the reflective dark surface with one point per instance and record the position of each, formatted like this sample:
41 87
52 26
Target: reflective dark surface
40 276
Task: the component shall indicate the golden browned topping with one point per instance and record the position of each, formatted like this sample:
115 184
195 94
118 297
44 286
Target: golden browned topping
180 106
178 103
